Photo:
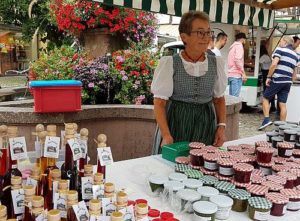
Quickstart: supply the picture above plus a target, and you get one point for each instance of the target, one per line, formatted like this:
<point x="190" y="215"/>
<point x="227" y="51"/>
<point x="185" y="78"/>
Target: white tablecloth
<point x="132" y="176"/>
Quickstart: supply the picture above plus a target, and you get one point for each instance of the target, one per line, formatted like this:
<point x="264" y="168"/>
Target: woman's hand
<point x="219" y="137"/>
<point x="268" y="82"/>
<point x="167" y="140"/>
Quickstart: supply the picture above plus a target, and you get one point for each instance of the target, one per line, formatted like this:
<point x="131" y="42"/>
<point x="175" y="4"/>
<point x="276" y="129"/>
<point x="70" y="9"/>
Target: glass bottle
<point x="53" y="215"/>
<point x="82" y="161"/>
<point x="88" y="172"/>
<point x="72" y="199"/>
<point x="37" y="207"/>
<point x="101" y="141"/>
<point x="43" y="188"/>
<point x="38" y="129"/>
<point x="16" y="184"/>
<point x="36" y="173"/>
<point x="43" y="160"/>
<point x="3" y="156"/>
<point x="63" y="189"/>
<point x="3" y="212"/>
<point x="29" y="192"/>
<point x="95" y="208"/>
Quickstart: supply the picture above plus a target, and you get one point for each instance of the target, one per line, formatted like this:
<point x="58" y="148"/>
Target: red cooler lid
<point x="166" y="215"/>
<point x="154" y="213"/>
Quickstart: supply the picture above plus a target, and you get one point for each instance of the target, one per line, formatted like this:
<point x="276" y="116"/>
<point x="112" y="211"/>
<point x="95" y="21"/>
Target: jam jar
<point x="204" y="210"/>
<point x="224" y="187"/>
<point x="242" y="172"/>
<point x="196" y="157"/>
<point x="264" y="154"/>
<point x="240" y="199"/>
<point x="210" y="161"/>
<point x="271" y="134"/>
<point x="276" y="179"/>
<point x="296" y="153"/>
<point x="273" y="187"/>
<point x="289" y="135"/>
<point x="262" y="144"/>
<point x="290" y="179"/>
<point x="279" y="203"/>
<point x="196" y="145"/>
<point x="296" y="172"/>
<point x="259" y="208"/>
<point x="294" y="199"/>
<point x="257" y="190"/>
<point x="266" y="168"/>
<point x="276" y="140"/>
<point x="277" y="124"/>
<point x="226" y="167"/>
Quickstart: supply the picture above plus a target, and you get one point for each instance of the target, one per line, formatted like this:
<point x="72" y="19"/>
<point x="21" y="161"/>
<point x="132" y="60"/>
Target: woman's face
<point x="200" y="36"/>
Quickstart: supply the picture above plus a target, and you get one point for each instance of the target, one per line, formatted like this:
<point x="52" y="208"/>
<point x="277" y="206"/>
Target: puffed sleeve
<point x="162" y="83"/>
<point x="221" y="80"/>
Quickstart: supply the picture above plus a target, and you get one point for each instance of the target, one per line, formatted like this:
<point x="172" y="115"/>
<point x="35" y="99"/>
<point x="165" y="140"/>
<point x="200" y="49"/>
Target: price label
<point x="84" y="148"/>
<point x="18" y="150"/>
<point x="51" y="148"/>
<point x="18" y="198"/>
<point x="108" y="206"/>
<point x="105" y="156"/>
<point x="87" y="188"/>
<point x="128" y="213"/>
<point x="31" y="182"/>
<point x="98" y="192"/>
<point x="81" y="211"/>
<point x="75" y="147"/>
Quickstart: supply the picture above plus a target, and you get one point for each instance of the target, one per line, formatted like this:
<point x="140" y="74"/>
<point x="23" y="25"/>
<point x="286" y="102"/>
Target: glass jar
<point x="271" y="134"/>
<point x="276" y="140"/>
<point x="273" y="187"/>
<point x="277" y="124"/>
<point x="289" y="135"/>
<point x="296" y="172"/>
<point x="290" y="179"/>
<point x="264" y="154"/>
<point x="204" y="210"/>
<point x="285" y="149"/>
<point x="294" y="199"/>
<point x="187" y="197"/>
<point x="279" y="203"/>
<point x="206" y="192"/>
<point x="196" y="156"/>
<point x="224" y="204"/>
<point x="177" y="177"/>
<point x="266" y="168"/>
<point x="210" y="161"/>
<point x="240" y="199"/>
<point x="242" y="172"/>
<point x="226" y="167"/>
<point x="157" y="183"/>
<point x="259" y="208"/>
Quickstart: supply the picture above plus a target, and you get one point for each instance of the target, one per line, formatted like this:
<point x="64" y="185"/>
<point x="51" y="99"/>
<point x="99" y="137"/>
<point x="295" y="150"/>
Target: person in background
<point x="236" y="73"/>
<point x="220" y="43"/>
<point x="189" y="87"/>
<point x="281" y="74"/>
<point x="296" y="42"/>
<point x="265" y="61"/>
<point x="211" y="46"/>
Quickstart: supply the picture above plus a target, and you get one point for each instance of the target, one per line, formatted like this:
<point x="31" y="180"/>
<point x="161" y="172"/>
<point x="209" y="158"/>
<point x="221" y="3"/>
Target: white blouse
<point x="162" y="84"/>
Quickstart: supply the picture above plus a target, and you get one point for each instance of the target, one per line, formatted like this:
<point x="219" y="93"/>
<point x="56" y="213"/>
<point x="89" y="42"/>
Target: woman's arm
<point x="220" y="108"/>
<point x="161" y="119"/>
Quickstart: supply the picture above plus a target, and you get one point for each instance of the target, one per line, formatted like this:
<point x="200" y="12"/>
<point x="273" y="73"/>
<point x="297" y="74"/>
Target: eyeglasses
<point x="203" y="34"/>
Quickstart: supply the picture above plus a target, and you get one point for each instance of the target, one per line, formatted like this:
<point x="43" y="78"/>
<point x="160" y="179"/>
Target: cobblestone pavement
<point x="251" y="119"/>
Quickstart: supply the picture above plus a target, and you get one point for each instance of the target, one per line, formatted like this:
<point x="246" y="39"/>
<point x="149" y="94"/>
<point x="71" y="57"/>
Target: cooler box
<point x="56" y="95"/>
<point x="171" y="151"/>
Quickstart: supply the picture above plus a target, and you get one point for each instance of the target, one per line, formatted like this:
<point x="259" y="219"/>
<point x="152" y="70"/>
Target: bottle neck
<point x="69" y="160"/>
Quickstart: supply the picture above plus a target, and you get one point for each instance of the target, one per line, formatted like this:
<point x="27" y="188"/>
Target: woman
<point x="189" y="88"/>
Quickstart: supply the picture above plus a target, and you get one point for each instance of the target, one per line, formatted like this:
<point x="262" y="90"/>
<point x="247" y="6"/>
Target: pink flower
<point x="91" y="85"/>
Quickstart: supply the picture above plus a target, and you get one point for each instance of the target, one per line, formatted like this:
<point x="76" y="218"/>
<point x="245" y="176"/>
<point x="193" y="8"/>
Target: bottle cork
<point x="3" y="211"/>
<point x="56" y="174"/>
<point x="109" y="187"/>
<point x="29" y="190"/>
<point x="63" y="185"/>
<point x="95" y="205"/>
<point x="88" y="168"/>
<point x="84" y="133"/>
<point x="142" y="208"/>
<point x="16" y="180"/>
<point x="101" y="140"/>
<point x="122" y="198"/>
<point x="42" y="136"/>
<point x="69" y="126"/>
<point x="39" y="128"/>
<point x="117" y="216"/>
<point x="37" y="201"/>
<point x="53" y="215"/>
<point x="75" y="127"/>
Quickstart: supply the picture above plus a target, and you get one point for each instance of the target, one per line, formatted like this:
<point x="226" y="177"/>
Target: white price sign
<point x="105" y="156"/>
<point x="18" y="149"/>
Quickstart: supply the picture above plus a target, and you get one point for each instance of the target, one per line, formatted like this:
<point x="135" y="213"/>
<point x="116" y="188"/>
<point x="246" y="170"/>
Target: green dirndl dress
<point x="190" y="111"/>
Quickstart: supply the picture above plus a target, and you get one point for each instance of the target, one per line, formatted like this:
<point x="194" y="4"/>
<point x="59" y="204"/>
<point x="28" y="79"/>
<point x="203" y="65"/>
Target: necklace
<point x="193" y="60"/>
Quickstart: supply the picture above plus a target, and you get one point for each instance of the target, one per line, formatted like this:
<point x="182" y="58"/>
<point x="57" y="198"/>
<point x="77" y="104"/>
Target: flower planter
<point x="56" y="96"/>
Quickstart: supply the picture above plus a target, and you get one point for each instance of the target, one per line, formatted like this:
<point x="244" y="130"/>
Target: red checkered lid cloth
<point x="234" y="148"/>
<point x="265" y="150"/>
<point x="257" y="189"/>
<point x="262" y="144"/>
<point x="272" y="185"/>
<point x="277" y="179"/>
<point x="277" y="198"/>
<point x="258" y="172"/>
<point x="280" y="168"/>
<point x="210" y="157"/>
<point x="226" y="162"/>
<point x="291" y="193"/>
<point x="182" y="160"/>
<point x="287" y="175"/>
<point x="243" y="167"/>
<point x="256" y="179"/>
<point x="196" y="145"/>
<point x="197" y="152"/>
<point x="246" y="146"/>
<point x="285" y="145"/>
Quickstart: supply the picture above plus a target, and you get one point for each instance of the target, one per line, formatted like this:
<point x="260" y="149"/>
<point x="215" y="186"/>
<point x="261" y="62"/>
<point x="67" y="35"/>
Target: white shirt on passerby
<point x="216" y="51"/>
<point x="265" y="62"/>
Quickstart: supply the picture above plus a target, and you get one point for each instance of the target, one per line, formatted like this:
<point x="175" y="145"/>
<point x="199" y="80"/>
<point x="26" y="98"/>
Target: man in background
<point x="220" y="43"/>
<point x="236" y="73"/>
<point x="211" y="45"/>
<point x="296" y="42"/>
<point x="281" y="74"/>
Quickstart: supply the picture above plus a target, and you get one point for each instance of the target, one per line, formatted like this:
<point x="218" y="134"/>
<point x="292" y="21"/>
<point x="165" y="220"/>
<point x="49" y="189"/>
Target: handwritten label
<point x="128" y="213"/>
<point x="87" y="188"/>
<point x="31" y="182"/>
<point x="51" y="148"/>
<point x="18" y="148"/>
<point x="18" y="197"/>
<point x="84" y="148"/>
<point x="75" y="147"/>
<point x="108" y="206"/>
<point x="60" y="203"/>
<point x="105" y="156"/>
<point x="98" y="192"/>
<point x="261" y="215"/>
<point x="81" y="211"/>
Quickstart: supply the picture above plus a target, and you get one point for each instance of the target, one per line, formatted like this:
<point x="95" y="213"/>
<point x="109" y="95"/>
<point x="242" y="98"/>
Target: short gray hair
<point x="288" y="39"/>
<point x="187" y="19"/>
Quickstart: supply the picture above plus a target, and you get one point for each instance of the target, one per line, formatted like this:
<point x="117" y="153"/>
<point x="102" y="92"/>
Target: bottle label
<point x="100" y="218"/>
<point x="226" y="171"/>
<point x="37" y="147"/>
<point x="98" y="192"/>
<point x="288" y="153"/>
<point x="293" y="205"/>
<point x="223" y="213"/>
<point x="128" y="213"/>
<point x="210" y="166"/>
<point x="31" y="182"/>
<point x="54" y="188"/>
<point x="60" y="203"/>
<point x="87" y="188"/>
<point x="18" y="201"/>
<point x="108" y="206"/>
<point x="81" y="211"/>
<point x="105" y="156"/>
<point x="84" y="148"/>
<point x="75" y="147"/>
<point x="51" y="148"/>
<point x="262" y="216"/>
<point x="18" y="150"/>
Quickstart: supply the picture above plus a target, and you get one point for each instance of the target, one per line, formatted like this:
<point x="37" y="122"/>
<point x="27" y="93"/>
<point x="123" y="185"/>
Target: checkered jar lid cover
<point x="259" y="203"/>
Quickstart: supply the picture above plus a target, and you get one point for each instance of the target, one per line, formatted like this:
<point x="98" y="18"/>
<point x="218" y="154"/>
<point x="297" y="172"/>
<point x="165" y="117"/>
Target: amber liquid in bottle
<point x="71" y="214"/>
<point x="69" y="169"/>
<point x="49" y="197"/>
<point x="43" y="189"/>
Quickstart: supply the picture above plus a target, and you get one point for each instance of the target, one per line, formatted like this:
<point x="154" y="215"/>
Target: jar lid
<point x="177" y="177"/>
<point x="265" y="150"/>
<point x="225" y="162"/>
<point x="188" y="195"/>
<point x="88" y="168"/>
<point x="174" y="185"/>
<point x="257" y="172"/>
<point x="29" y="190"/>
<point x="246" y="146"/>
<point x="241" y="185"/>
<point x="243" y="167"/>
<point x="192" y="183"/>
<point x="246" y="159"/>
<point x="266" y="165"/>
<point x="276" y="179"/>
<point x="182" y="167"/>
<point x="262" y="144"/>
<point x="158" y="179"/>
<point x="256" y="179"/>
<point x="37" y="201"/>
<point x="292" y="165"/>
<point x="223" y="154"/>
<point x="277" y="139"/>
<point x="280" y="168"/>
<point x="109" y="187"/>
<point x="3" y="211"/>
<point x="56" y="173"/>
<point x="272" y="185"/>
<point x="285" y="145"/>
<point x="224" y="186"/>
<point x="166" y="215"/>
<point x="210" y="149"/>
<point x="16" y="180"/>
<point x="290" y="132"/>
<point x="197" y="152"/>
<point x="137" y="201"/>
<point x="72" y="195"/>
<point x="208" y="180"/>
<point x="291" y="193"/>
<point x="277" y="198"/>
<point x="248" y="151"/>
<point x="259" y="203"/>
<point x="279" y="160"/>
<point x="296" y="172"/>
<point x="205" y="207"/>
<point x="239" y="194"/>
<point x="287" y="175"/>
<point x="95" y="204"/>
<point x="182" y="160"/>
<point x="142" y="208"/>
<point x="296" y="160"/>
<point x="284" y="127"/>
<point x="271" y="133"/>
<point x="63" y="184"/>
<point x="221" y="200"/>
<point x="98" y="177"/>
<point x="296" y="152"/>
<point x="53" y="215"/>
<point x="153" y="213"/>
<point x="195" y="174"/>
<point x="196" y="145"/>
<point x="234" y="148"/>
<point x="116" y="216"/>
<point x="278" y="123"/>
<point x="257" y="189"/>
<point x="210" y="156"/>
<point x="207" y="191"/>
<point x="236" y="155"/>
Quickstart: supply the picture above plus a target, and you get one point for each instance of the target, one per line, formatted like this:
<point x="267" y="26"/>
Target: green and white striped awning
<point x="220" y="11"/>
